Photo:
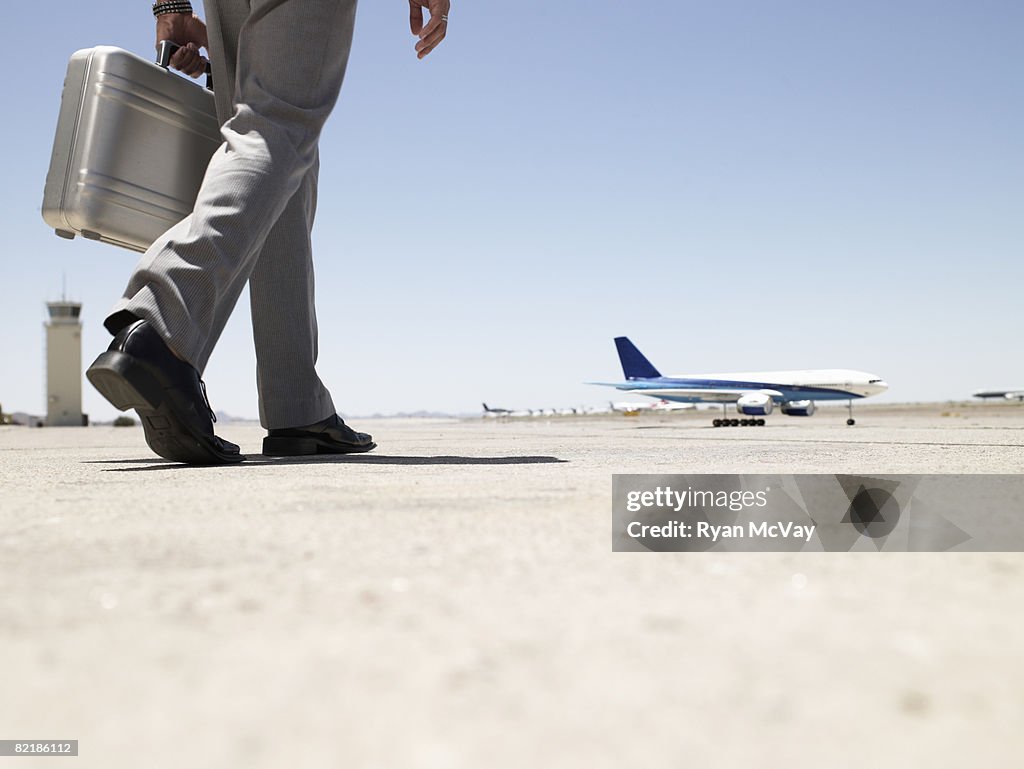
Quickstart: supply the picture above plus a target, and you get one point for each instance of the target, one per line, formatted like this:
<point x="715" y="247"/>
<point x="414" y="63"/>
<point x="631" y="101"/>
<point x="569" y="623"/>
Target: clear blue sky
<point x="741" y="185"/>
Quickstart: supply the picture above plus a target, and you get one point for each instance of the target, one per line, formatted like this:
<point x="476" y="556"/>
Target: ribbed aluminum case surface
<point x="132" y="144"/>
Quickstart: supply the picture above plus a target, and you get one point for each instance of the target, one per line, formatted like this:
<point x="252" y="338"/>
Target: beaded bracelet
<point x="172" y="6"/>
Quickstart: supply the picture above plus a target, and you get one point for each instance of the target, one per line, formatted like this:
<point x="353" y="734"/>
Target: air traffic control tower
<point x="64" y="365"/>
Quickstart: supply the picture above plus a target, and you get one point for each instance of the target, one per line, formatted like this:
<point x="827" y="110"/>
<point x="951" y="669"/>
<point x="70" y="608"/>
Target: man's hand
<point x="189" y="32"/>
<point x="433" y="33"/>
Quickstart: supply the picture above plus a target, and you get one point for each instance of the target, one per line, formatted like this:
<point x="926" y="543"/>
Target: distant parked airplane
<point x="634" y="408"/>
<point x="629" y="409"/>
<point x="754" y="393"/>
<point x="496" y="412"/>
<point x="1010" y="395"/>
<point x="664" y="405"/>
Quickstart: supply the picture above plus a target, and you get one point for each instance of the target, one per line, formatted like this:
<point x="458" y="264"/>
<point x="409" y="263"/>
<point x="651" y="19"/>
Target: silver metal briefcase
<point x="132" y="145"/>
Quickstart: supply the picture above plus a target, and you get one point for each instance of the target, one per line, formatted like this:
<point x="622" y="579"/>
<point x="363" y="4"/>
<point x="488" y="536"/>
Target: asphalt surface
<point x="451" y="600"/>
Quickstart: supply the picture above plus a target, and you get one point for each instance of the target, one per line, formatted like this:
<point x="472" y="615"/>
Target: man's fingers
<point x="183" y="61"/>
<point x="429" y="42"/>
<point x="181" y="58"/>
<point x="184" y="54"/>
<point x="415" y="17"/>
<point x="187" y="59"/>
<point x="436" y="28"/>
<point x="433" y="25"/>
<point x="425" y="51"/>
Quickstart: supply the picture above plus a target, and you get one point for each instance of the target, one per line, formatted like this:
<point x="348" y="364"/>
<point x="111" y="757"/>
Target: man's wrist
<point x="161" y="8"/>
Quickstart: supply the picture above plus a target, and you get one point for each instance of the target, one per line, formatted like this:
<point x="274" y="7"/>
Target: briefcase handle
<point x="166" y="49"/>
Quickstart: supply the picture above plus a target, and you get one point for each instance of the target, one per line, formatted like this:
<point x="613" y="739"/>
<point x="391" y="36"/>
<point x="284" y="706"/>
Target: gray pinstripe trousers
<point x="278" y="66"/>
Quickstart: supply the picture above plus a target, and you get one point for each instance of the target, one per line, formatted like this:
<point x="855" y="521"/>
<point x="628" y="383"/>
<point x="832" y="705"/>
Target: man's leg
<point x="295" y="407"/>
<point x="291" y="57"/>
<point x="281" y="295"/>
<point x="281" y="283"/>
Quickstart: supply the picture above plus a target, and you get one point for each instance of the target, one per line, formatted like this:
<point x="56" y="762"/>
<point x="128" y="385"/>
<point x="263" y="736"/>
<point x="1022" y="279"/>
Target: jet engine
<point x="798" y="408"/>
<point x="755" y="404"/>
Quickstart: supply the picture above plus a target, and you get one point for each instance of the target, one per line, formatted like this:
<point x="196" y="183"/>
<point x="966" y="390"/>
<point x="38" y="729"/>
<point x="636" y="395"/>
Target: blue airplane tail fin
<point x="634" y="364"/>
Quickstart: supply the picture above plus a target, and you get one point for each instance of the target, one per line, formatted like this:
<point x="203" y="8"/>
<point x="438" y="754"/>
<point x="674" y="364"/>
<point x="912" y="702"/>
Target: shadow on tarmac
<point x="257" y="460"/>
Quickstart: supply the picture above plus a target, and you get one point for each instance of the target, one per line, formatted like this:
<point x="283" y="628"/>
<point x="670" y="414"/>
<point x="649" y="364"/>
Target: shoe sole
<point x="303" y="447"/>
<point x="126" y="383"/>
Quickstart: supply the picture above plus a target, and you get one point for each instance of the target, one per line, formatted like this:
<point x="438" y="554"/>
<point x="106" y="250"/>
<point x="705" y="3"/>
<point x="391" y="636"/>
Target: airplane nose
<point x="881" y="385"/>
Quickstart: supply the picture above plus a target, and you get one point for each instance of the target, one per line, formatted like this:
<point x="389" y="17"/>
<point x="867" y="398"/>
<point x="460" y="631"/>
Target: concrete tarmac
<point x="451" y="600"/>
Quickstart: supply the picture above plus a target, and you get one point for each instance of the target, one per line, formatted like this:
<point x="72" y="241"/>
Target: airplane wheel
<point x="851" y="422"/>
<point x="744" y="422"/>
<point x="716" y="422"/>
<point x="760" y="423"/>
<point x="734" y="422"/>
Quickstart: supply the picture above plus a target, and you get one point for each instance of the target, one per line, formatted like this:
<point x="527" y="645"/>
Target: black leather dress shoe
<point x="138" y="371"/>
<point x="331" y="436"/>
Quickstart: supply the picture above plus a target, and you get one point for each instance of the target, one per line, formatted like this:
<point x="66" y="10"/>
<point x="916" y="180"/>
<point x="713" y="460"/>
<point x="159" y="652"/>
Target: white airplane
<point x="634" y="408"/>
<point x="1010" y="395"/>
<point x="630" y="408"/>
<point x="664" y="405"/>
<point x="755" y="393"/>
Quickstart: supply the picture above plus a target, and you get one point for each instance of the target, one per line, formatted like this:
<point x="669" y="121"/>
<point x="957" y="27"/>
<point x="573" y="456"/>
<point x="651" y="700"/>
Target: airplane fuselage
<point x="806" y="384"/>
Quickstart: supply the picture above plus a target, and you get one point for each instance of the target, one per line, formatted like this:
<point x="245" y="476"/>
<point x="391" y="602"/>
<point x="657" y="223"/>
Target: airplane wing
<point x="705" y="395"/>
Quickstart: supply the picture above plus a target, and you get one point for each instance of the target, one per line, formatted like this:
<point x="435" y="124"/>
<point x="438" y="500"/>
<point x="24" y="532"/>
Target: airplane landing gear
<point x="850" y="421"/>
<point x="727" y="422"/>
<point x="723" y="422"/>
<point x="737" y="423"/>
